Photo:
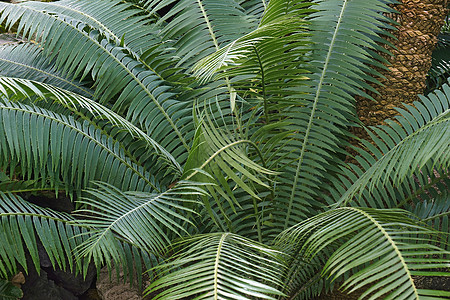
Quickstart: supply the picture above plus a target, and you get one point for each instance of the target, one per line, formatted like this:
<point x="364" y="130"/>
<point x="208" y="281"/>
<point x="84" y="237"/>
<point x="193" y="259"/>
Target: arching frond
<point x="313" y="100"/>
<point x="21" y="88"/>
<point x="326" y="99"/>
<point x="81" y="50"/>
<point x="22" y="223"/>
<point x="262" y="67"/>
<point x="60" y="234"/>
<point x="393" y="252"/>
<point x="252" y="146"/>
<point x="219" y="158"/>
<point x="256" y="51"/>
<point x="146" y="220"/>
<point x="124" y="23"/>
<point x="203" y="26"/>
<point x="420" y="135"/>
<point x="28" y="62"/>
<point x="48" y="145"/>
<point x="221" y="266"/>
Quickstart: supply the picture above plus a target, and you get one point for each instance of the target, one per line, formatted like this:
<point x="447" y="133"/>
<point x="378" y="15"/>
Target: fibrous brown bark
<point x="419" y="24"/>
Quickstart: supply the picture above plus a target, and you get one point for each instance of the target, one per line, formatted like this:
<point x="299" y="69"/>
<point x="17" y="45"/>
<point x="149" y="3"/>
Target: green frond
<point x="303" y="281"/>
<point x="222" y="147"/>
<point x="220" y="266"/>
<point x="23" y="186"/>
<point x="254" y="7"/>
<point x="79" y="152"/>
<point x="20" y="89"/>
<point x="276" y="10"/>
<point x="324" y="102"/>
<point x="8" y="291"/>
<point x="440" y="64"/>
<point x="81" y="50"/>
<point x="420" y="135"/>
<point x="28" y="62"/>
<point x="99" y="100"/>
<point x="312" y="101"/>
<point x="203" y="26"/>
<point x="259" y="51"/>
<point x="436" y="214"/>
<point x="392" y="255"/>
<point x="148" y="221"/>
<point x="61" y="235"/>
<point x="22" y="223"/>
<point x="262" y="66"/>
<point x="234" y="166"/>
<point x="124" y="23"/>
<point x="423" y="185"/>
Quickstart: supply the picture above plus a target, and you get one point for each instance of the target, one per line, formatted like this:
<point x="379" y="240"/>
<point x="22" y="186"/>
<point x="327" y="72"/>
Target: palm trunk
<point x="419" y="24"/>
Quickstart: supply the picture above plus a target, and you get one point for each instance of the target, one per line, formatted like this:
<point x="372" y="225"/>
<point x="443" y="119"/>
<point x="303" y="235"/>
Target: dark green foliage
<point x="9" y="291"/>
<point x="440" y="68"/>
<point x="208" y="145"/>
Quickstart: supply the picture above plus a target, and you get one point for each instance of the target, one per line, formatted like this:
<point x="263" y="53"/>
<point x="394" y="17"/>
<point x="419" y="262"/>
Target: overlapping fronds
<point x="8" y="291"/>
<point x="419" y="136"/>
<point x="312" y="99"/>
<point x="21" y="186"/>
<point x="124" y="23"/>
<point x="61" y="236"/>
<point x="221" y="266"/>
<point x="262" y="65"/>
<point x="28" y="62"/>
<point x="221" y="148"/>
<point x="440" y="64"/>
<point x="435" y="212"/>
<point x="303" y="280"/>
<point x="60" y="149"/>
<point x="114" y="214"/>
<point x="396" y="248"/>
<point x="203" y="26"/>
<point x="20" y="89"/>
<point x="324" y="102"/>
<point x="258" y="53"/>
<point x="22" y="223"/>
<point x="254" y="7"/>
<point x="100" y="97"/>
<point x="81" y="50"/>
<point x="219" y="157"/>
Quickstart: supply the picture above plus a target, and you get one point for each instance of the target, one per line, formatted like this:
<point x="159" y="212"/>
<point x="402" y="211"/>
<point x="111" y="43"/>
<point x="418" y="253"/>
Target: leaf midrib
<point x="104" y="28"/>
<point x="392" y="243"/>
<point x="152" y="97"/>
<point x="110" y="226"/>
<point x="348" y="196"/>
<point x="216" y="265"/>
<point x="46" y="73"/>
<point x="87" y="136"/>
<point x="311" y="118"/>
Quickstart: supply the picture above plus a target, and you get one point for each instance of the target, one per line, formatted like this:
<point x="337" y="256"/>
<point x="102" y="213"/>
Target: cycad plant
<point x="440" y="67"/>
<point x="207" y="145"/>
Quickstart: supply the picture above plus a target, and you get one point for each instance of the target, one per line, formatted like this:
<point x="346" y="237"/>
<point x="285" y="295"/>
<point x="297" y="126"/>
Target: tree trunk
<point x="420" y="22"/>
